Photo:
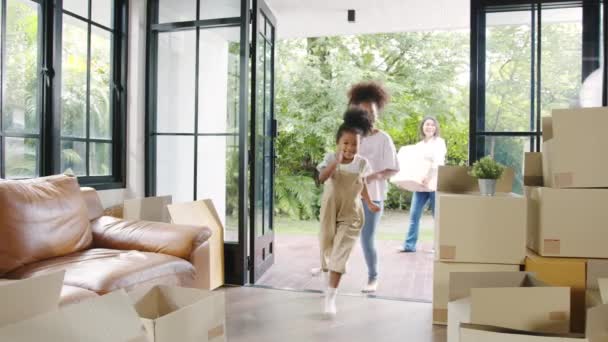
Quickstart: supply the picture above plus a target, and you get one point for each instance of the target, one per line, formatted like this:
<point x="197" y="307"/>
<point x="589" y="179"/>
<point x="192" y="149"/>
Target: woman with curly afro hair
<point x="378" y="148"/>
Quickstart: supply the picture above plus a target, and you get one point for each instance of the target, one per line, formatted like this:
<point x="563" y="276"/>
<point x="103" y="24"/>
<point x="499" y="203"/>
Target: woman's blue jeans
<point x="368" y="241"/>
<point x="419" y="200"/>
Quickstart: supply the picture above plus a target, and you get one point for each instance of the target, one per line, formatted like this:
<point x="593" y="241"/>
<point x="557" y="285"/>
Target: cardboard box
<point x="456" y="179"/>
<point x="568" y="222"/>
<point x="478" y="229"/>
<point x="181" y="314"/>
<point x="102" y="319"/>
<point x="571" y="139"/>
<point x="27" y="298"/>
<point x="596" y="331"/>
<point x="596" y="269"/>
<point x="513" y="300"/>
<point x="203" y="213"/>
<point x="441" y="283"/>
<point x="571" y="273"/>
<point x="485" y="333"/>
<point x="533" y="169"/>
<point x="149" y="209"/>
<point x="410" y="178"/>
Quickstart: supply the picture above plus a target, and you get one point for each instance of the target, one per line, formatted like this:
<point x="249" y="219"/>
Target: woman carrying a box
<point x="433" y="149"/>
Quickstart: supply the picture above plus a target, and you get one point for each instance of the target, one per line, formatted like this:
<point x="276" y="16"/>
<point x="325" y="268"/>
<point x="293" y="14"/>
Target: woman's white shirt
<point x="433" y="150"/>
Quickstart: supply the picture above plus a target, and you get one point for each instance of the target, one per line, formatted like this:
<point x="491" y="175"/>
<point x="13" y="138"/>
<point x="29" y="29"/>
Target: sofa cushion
<point x="41" y="218"/>
<point x="106" y="270"/>
<point x="73" y="295"/>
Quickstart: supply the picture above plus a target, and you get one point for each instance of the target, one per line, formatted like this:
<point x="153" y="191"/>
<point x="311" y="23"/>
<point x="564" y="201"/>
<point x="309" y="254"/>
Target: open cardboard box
<point x="181" y="314"/>
<point x="149" y="209"/>
<point x="596" y="331"/>
<point x="581" y="275"/>
<point x="598" y="296"/>
<point x="441" y="283"/>
<point x="475" y="228"/>
<point x="203" y="213"/>
<point x="29" y="313"/>
<point x="514" y="300"/>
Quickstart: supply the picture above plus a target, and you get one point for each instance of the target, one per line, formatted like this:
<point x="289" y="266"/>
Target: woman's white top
<point x="380" y="152"/>
<point x="433" y="150"/>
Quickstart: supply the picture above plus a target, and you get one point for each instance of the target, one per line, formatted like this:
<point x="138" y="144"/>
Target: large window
<point x="63" y="75"/>
<point x="528" y="59"/>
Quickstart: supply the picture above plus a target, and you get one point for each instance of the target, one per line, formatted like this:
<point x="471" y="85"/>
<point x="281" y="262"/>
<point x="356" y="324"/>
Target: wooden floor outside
<point x="402" y="275"/>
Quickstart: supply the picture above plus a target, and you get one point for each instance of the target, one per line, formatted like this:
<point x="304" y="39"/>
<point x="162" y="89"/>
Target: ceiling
<point x="314" y="18"/>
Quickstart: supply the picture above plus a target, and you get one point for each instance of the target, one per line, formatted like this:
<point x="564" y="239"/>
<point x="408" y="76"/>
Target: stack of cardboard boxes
<point x="562" y="219"/>
<point x="474" y="233"/>
<point x="567" y="192"/>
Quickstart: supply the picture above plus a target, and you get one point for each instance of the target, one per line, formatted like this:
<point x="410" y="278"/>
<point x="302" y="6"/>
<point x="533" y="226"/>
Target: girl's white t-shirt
<point x="380" y="151"/>
<point x="358" y="165"/>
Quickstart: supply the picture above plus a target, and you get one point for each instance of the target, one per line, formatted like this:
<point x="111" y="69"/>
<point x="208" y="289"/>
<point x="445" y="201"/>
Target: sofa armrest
<point x="171" y="239"/>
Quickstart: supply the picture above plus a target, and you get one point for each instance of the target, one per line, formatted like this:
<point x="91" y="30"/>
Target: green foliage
<point x="423" y="72"/>
<point x="486" y="168"/>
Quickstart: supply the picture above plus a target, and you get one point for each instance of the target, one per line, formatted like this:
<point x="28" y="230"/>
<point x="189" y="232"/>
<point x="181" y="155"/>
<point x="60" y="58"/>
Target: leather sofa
<point x="50" y="223"/>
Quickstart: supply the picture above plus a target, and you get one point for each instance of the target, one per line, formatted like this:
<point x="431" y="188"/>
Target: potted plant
<point x="487" y="171"/>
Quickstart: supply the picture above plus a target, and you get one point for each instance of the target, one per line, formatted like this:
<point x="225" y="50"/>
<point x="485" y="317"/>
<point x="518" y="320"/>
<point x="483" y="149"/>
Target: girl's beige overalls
<point x="341" y="218"/>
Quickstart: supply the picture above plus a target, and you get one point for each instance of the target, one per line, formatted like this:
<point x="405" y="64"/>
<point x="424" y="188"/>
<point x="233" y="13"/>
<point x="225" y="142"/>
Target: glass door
<point x="263" y="131"/>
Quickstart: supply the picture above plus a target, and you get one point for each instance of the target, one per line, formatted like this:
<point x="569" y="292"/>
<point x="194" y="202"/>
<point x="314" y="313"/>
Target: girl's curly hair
<point x="368" y="92"/>
<point x="358" y="118"/>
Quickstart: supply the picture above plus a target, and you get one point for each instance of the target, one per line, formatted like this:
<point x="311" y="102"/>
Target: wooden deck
<point x="401" y="275"/>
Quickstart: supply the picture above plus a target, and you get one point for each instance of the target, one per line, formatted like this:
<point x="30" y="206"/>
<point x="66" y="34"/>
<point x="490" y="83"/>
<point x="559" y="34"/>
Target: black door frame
<point x="261" y="247"/>
<point x="239" y="265"/>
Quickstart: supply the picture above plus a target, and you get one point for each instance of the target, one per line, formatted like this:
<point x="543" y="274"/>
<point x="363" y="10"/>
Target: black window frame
<point x="49" y="92"/>
<point x="589" y="62"/>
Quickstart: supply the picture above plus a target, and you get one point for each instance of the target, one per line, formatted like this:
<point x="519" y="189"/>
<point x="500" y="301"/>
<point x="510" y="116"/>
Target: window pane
<point x="561" y="64"/>
<point x="73" y="157"/>
<point x="213" y="9"/>
<point x="21" y="158"/>
<point x="219" y="80"/>
<point x="508" y="72"/>
<point x="220" y="182"/>
<point x="176" y="10"/>
<point x="101" y="71"/>
<point x="21" y="68"/>
<point x="176" y="80"/>
<point x="103" y="12"/>
<point x="74" y="82"/>
<point x="80" y="7"/>
<point x="510" y="152"/>
<point x="175" y="167"/>
<point x="100" y="159"/>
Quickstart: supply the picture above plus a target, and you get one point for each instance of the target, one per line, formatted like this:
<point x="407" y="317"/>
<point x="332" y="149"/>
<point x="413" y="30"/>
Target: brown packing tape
<point x="558" y="316"/>
<point x="447" y="252"/>
<point x="440" y="316"/>
<point x="552" y="246"/>
<point x="564" y="179"/>
<point x="215" y="332"/>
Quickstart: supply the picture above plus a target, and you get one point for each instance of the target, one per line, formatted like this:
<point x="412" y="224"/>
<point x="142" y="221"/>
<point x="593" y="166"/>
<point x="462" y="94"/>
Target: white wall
<point x="135" y="110"/>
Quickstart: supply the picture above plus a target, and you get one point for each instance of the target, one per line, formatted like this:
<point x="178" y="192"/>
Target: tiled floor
<point x="255" y="314"/>
<point x="402" y="275"/>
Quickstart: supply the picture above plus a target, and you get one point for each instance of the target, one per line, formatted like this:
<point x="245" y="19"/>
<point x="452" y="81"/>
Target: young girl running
<point x="343" y="174"/>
